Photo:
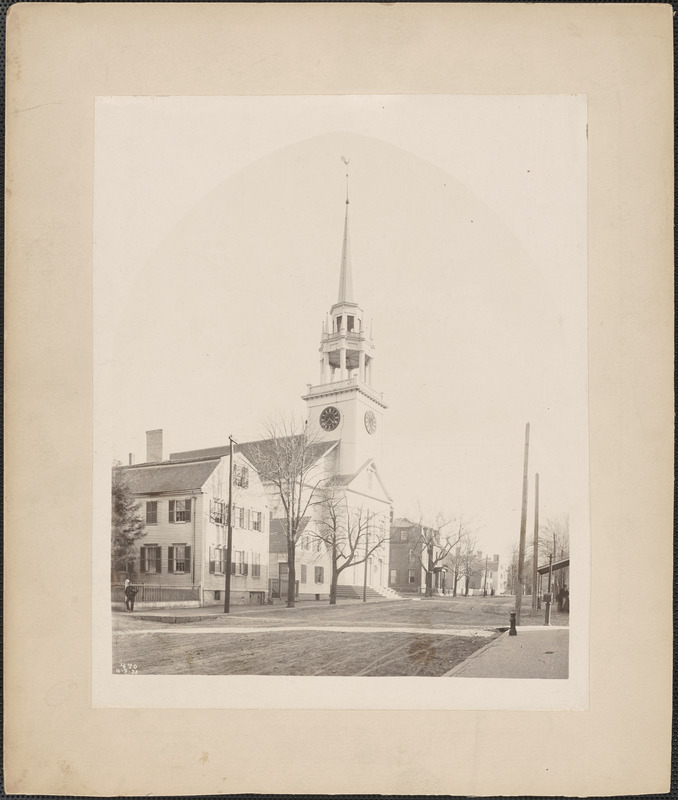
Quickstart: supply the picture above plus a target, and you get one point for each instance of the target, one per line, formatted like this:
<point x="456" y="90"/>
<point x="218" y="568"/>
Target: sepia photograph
<point x="341" y="385"/>
<point x="339" y="355"/>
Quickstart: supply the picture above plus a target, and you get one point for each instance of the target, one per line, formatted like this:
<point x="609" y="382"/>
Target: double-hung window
<point x="150" y="558"/>
<point x="256" y="565"/>
<point x="241" y="476"/>
<point x="179" y="558"/>
<point x="217" y="559"/>
<point x="239" y="564"/>
<point x="239" y="517"/>
<point x="180" y="510"/>
<point x="218" y="512"/>
<point x="319" y="574"/>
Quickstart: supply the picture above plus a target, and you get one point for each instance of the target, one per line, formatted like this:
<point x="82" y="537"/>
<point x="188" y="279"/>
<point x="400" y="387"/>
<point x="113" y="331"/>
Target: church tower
<point x="343" y="405"/>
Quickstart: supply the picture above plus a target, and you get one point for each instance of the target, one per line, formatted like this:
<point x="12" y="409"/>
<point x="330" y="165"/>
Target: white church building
<point x="344" y="415"/>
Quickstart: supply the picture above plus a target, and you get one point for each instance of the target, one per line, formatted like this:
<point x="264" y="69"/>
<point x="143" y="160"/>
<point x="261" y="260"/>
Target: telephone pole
<point x="229" y="542"/>
<point x="367" y="542"/>
<point x="535" y="549"/>
<point x="523" y="526"/>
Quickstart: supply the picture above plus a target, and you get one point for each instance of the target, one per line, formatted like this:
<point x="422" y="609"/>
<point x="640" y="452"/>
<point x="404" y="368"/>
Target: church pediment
<point x="366" y="481"/>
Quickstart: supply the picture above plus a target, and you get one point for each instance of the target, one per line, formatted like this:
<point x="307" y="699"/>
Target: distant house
<point x="182" y="557"/>
<point x="409" y="559"/>
<point x="490" y="575"/>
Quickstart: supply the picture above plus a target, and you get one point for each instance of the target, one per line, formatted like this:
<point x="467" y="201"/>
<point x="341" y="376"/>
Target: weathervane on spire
<point x="347" y="162"/>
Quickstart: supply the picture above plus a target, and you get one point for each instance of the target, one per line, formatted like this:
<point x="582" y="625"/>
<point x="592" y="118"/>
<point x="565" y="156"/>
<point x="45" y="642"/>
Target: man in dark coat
<point x="130" y="594"/>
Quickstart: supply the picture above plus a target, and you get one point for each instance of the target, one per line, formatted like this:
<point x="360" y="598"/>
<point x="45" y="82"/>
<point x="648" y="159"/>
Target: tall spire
<point x="345" y="277"/>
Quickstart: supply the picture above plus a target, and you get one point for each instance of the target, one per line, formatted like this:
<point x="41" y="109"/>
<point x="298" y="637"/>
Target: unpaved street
<point x="410" y="637"/>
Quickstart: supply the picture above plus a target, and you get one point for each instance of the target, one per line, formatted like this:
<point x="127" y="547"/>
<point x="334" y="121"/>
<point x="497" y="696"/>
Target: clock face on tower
<point x="329" y="418"/>
<point x="370" y="421"/>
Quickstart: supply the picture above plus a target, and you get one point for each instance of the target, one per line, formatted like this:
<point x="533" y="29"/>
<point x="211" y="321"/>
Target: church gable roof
<point x="357" y="482"/>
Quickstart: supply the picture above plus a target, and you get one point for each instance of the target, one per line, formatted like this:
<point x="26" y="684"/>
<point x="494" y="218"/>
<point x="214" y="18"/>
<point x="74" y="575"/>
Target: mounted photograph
<point x="341" y="402"/>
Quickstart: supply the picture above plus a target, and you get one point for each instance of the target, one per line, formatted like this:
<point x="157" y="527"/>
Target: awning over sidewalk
<point x="565" y="562"/>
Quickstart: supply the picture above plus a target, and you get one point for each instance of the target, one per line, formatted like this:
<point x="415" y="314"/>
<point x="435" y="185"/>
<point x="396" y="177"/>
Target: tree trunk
<point x="291" y="573"/>
<point x="429" y="572"/>
<point x="334" y="579"/>
<point x="466" y="590"/>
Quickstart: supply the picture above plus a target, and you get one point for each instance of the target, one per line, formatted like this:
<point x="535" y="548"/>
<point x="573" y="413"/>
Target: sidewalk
<point x="198" y="614"/>
<point x="536" y="652"/>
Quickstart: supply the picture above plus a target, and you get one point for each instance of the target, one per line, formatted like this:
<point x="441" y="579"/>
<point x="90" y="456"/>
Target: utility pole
<point x="547" y="613"/>
<point x="535" y="549"/>
<point x="367" y="541"/>
<point x="229" y="542"/>
<point x="523" y="526"/>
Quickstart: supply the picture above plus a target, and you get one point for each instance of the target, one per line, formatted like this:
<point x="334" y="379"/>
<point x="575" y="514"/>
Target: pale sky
<point x="217" y="241"/>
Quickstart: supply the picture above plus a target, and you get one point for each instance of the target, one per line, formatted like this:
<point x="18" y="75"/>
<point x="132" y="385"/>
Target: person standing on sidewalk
<point x="130" y="594"/>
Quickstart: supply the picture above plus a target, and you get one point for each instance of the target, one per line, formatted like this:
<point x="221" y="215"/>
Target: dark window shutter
<point x="232" y="567"/>
<point x="187" y="558"/>
<point x="170" y="559"/>
<point x="158" y="559"/>
<point x="187" y="505"/>
<point x="244" y="563"/>
<point x="142" y="559"/>
<point x="171" y="510"/>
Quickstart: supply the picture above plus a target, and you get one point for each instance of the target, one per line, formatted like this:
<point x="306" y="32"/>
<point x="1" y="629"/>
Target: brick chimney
<point x="154" y="445"/>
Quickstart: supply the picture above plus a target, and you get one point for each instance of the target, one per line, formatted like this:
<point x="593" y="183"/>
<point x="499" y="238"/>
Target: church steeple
<point x="343" y="405"/>
<point x="345" y="276"/>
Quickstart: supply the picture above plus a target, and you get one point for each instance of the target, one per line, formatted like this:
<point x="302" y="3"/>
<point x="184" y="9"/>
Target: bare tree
<point x="470" y="562"/>
<point x="434" y="547"/>
<point x="554" y="540"/>
<point x="454" y="562"/>
<point x="288" y="459"/>
<point x="512" y="570"/>
<point x="348" y="534"/>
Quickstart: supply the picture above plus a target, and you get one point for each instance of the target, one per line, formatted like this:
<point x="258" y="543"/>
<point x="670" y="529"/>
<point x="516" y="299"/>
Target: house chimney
<point x="154" y="445"/>
<point x="131" y="459"/>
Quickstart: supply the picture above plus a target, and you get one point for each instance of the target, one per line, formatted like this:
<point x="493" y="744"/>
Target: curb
<point x="474" y="656"/>
<point x="170" y="619"/>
